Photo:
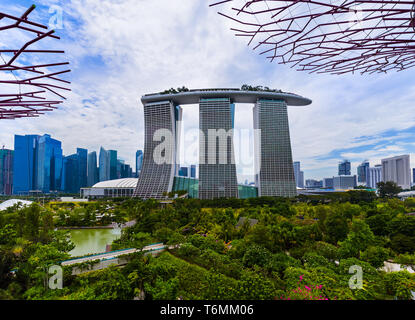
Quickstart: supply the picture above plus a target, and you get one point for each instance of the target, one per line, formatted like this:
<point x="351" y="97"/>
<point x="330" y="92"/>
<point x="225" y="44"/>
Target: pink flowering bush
<point x="304" y="292"/>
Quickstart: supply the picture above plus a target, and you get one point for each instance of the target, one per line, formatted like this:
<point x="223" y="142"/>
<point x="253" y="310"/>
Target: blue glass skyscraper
<point x="138" y="162"/>
<point x="92" y="169"/>
<point x="344" y="168"/>
<point x="71" y="177"/>
<point x="24" y="163"/>
<point x="74" y="175"/>
<point x="49" y="164"/>
<point x="113" y="164"/>
<point x="104" y="165"/>
<point x="362" y="172"/>
<point x="83" y="166"/>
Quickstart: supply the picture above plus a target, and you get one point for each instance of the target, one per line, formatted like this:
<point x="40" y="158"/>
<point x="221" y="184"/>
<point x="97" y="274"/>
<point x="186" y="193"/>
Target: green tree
<point x="256" y="255"/>
<point x="254" y="286"/>
<point x="375" y="255"/>
<point x="358" y="239"/>
<point x="163" y="290"/>
<point x="400" y="284"/>
<point x="336" y="227"/>
<point x="388" y="189"/>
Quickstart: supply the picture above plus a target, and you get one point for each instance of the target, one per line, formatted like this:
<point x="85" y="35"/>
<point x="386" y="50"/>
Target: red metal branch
<point x="337" y="36"/>
<point x="19" y="103"/>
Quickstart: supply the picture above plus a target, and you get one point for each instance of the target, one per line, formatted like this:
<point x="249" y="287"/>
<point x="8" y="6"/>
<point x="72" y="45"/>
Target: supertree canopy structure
<point x="26" y="81"/>
<point x="328" y="36"/>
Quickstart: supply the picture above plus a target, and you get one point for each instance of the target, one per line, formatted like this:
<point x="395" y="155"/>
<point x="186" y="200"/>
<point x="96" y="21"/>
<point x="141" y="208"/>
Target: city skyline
<point x="39" y="165"/>
<point x="354" y="170"/>
<point x="346" y="119"/>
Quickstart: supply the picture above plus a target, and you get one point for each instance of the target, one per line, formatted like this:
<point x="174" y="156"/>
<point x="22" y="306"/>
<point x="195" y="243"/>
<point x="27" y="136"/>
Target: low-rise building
<point x="344" y="182"/>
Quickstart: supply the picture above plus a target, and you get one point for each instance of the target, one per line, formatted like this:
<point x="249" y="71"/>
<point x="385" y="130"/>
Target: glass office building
<point x="104" y="165"/>
<point x="138" y="162"/>
<point x="113" y="164"/>
<point x="75" y="168"/>
<point x="49" y="164"/>
<point x="37" y="164"/>
<point x="71" y="178"/>
<point x="24" y="163"/>
<point x="6" y="172"/>
<point x="298" y="174"/>
<point x="362" y="173"/>
<point x="344" y="168"/>
<point x="83" y="166"/>
<point x="92" y="169"/>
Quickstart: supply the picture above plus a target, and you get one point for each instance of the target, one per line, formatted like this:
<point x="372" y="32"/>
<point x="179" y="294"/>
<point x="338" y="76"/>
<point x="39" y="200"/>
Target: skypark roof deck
<point x="236" y="96"/>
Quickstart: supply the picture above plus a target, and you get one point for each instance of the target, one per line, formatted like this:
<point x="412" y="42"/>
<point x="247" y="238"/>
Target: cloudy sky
<point x="122" y="49"/>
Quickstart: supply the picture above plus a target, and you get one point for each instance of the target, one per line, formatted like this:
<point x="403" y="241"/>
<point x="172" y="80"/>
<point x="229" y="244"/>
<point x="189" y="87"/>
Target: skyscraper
<point x="123" y="170"/>
<point x="217" y="170"/>
<point x="397" y="169"/>
<point x="71" y="173"/>
<point x="160" y="117"/>
<point x="113" y="164"/>
<point x="362" y="172"/>
<point x="301" y="184"/>
<point x="49" y="164"/>
<point x="92" y="169"/>
<point x="138" y="162"/>
<point x="74" y="176"/>
<point x="83" y="166"/>
<point x="273" y="163"/>
<point x="104" y="165"/>
<point x="25" y="163"/>
<point x="344" y="168"/>
<point x="6" y="172"/>
<point x="298" y="174"/>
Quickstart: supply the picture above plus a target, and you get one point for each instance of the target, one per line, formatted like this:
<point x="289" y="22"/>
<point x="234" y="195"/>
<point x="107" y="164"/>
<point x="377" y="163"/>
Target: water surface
<point x="90" y="241"/>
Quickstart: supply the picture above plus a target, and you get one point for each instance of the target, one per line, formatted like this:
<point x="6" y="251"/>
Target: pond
<point x="90" y="241"/>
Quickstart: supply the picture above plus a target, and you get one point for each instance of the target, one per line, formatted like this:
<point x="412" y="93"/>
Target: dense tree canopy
<point x="300" y="248"/>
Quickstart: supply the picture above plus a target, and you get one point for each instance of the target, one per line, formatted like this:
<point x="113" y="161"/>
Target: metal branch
<point x="337" y="36"/>
<point x="20" y="104"/>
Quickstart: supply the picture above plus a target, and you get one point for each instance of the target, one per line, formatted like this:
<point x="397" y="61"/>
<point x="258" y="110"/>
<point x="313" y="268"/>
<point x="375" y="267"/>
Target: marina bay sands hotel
<point x="217" y="170"/>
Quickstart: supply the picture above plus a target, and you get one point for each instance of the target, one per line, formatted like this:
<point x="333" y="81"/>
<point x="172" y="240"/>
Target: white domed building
<point x="111" y="189"/>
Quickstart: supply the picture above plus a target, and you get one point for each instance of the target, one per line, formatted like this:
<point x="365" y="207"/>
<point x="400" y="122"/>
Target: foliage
<point x="388" y="189"/>
<point x="400" y="284"/>
<point x="358" y="239"/>
<point x="316" y="237"/>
